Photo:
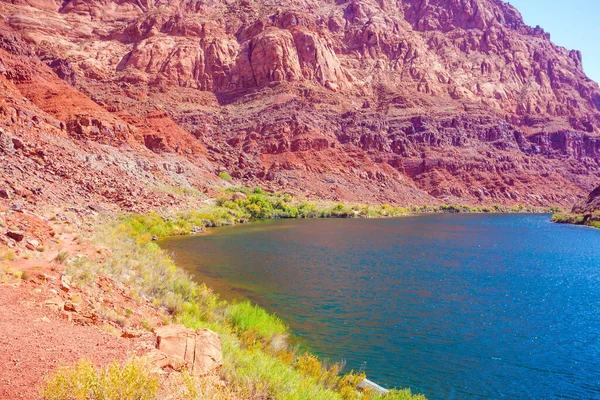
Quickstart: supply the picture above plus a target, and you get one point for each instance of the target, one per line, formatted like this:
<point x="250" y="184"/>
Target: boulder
<point x="239" y="196"/>
<point x="200" y="350"/>
<point x="4" y="194"/>
<point x="65" y="283"/>
<point x="73" y="307"/>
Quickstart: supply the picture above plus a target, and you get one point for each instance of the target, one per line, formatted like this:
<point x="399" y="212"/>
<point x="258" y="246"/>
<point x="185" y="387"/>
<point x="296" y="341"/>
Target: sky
<point x="574" y="24"/>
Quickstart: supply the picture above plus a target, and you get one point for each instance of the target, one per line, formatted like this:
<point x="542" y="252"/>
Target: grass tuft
<point x="253" y="321"/>
<point x="225" y="176"/>
<point x="61" y="257"/>
<point x="132" y="380"/>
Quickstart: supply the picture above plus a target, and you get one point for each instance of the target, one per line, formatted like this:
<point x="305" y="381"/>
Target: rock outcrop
<point x="591" y="203"/>
<point x="199" y="351"/>
<point x="413" y="101"/>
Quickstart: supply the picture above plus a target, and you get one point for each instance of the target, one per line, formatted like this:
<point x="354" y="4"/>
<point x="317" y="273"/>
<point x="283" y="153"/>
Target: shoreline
<point x="120" y="247"/>
<point x="194" y="305"/>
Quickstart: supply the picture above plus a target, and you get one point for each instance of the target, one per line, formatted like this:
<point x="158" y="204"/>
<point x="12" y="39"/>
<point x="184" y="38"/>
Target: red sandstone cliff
<point x="408" y="101"/>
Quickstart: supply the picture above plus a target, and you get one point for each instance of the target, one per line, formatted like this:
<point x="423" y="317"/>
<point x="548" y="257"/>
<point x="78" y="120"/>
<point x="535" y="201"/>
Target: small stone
<point x="65" y="283"/>
<point x="130" y="334"/>
<point x="49" y="277"/>
<point x="4" y="194"/>
<point x="55" y="304"/>
<point x="66" y="316"/>
<point x="74" y="307"/>
<point x="15" y="235"/>
<point x="17" y="143"/>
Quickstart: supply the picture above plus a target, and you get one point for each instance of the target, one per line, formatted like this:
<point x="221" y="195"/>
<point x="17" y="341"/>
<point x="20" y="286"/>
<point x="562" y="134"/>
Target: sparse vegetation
<point x="8" y="255"/>
<point x="11" y="275"/>
<point x="132" y="380"/>
<point x="225" y="176"/>
<point x="61" y="257"/>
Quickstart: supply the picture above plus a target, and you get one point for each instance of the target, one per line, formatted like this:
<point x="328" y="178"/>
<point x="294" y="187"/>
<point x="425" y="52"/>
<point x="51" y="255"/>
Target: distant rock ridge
<point x="408" y="101"/>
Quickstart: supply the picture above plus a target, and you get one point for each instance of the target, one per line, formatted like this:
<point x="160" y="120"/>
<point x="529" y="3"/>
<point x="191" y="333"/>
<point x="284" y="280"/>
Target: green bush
<point x="225" y="176"/>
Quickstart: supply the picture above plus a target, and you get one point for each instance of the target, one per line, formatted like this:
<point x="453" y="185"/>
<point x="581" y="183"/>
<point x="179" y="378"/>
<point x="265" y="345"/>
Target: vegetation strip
<point x="239" y="205"/>
<point x="590" y="219"/>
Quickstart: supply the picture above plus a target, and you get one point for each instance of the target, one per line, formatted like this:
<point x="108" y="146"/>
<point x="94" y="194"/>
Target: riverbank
<point x="591" y="219"/>
<point x="258" y="359"/>
<point x="90" y="247"/>
<point x="241" y="205"/>
<point x="123" y="284"/>
<point x="585" y="213"/>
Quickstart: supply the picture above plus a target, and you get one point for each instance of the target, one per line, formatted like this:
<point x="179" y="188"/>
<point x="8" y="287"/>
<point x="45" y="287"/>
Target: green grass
<point x="225" y="176"/>
<point x="247" y="318"/>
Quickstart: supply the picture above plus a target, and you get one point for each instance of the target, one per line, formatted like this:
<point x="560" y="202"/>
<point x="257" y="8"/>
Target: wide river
<point x="452" y="306"/>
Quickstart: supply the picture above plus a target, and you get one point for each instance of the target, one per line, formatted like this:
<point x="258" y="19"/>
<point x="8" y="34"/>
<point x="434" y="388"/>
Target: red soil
<point x="34" y="340"/>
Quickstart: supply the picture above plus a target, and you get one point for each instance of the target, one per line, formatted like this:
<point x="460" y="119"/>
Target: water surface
<point x="453" y="306"/>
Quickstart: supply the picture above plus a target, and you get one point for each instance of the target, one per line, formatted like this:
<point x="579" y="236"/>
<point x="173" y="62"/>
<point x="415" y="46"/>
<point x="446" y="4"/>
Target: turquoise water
<point x="453" y="306"/>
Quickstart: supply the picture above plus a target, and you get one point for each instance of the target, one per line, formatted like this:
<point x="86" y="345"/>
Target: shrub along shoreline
<point x="590" y="219"/>
<point x="241" y="205"/>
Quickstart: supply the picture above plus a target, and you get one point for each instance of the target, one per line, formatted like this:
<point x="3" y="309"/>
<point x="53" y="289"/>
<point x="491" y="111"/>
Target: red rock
<point x="15" y="235"/>
<point x="65" y="283"/>
<point x="413" y="102"/>
<point x="590" y="205"/>
<point x="17" y="143"/>
<point x="72" y="307"/>
<point x="201" y="349"/>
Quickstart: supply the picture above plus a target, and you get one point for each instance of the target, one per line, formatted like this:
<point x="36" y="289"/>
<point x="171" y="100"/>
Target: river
<point x="453" y="306"/>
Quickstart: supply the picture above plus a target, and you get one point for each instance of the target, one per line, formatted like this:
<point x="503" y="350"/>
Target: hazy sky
<point x="574" y="24"/>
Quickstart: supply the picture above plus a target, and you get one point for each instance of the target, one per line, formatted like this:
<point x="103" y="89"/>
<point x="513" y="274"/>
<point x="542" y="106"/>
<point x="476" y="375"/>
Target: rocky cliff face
<point x="407" y="101"/>
<point x="590" y="205"/>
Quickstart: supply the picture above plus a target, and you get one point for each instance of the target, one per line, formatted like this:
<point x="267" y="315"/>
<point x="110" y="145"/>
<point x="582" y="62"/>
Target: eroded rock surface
<point x="409" y="101"/>
<point x="199" y="350"/>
